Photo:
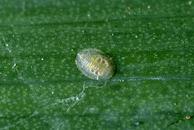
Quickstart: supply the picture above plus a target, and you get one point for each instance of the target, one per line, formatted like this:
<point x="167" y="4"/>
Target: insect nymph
<point x="94" y="64"/>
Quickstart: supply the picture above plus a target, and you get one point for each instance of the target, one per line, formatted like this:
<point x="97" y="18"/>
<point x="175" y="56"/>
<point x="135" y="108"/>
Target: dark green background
<point x="151" y="41"/>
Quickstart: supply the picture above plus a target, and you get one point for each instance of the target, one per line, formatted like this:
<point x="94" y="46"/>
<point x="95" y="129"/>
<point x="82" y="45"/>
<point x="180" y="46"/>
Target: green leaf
<point x="150" y="41"/>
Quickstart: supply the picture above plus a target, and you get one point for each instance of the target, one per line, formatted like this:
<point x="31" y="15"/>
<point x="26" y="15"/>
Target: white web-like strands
<point x="73" y="100"/>
<point x="67" y="103"/>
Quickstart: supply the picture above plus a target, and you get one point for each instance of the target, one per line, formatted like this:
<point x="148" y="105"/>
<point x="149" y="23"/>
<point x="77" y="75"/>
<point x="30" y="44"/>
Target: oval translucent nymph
<point x="94" y="64"/>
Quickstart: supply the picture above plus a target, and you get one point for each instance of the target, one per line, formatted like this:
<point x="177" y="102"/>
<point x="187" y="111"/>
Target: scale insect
<point x="94" y="64"/>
